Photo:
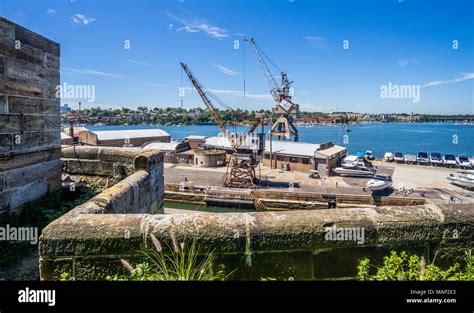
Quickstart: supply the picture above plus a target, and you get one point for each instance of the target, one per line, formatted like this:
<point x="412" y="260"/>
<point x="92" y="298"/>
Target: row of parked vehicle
<point x="434" y="158"/>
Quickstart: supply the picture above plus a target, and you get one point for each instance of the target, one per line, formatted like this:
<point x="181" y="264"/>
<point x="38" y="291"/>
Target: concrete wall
<point x="284" y="245"/>
<point x="29" y="115"/>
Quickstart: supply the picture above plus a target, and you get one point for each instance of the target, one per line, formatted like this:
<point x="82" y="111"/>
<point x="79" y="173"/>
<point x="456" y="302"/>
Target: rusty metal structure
<point x="243" y="161"/>
<point x="285" y="110"/>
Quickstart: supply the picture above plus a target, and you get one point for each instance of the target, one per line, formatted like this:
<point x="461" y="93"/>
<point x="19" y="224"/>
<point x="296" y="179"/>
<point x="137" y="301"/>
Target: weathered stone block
<point x="27" y="159"/>
<point x="36" y="140"/>
<point x="5" y="143"/>
<point x="52" y="269"/>
<point x="26" y="70"/>
<point x="35" y="40"/>
<point x="21" y="87"/>
<point x="32" y="106"/>
<point x="25" y="175"/>
<point x="90" y="234"/>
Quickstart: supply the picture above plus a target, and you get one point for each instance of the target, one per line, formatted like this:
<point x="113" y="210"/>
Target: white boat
<point x="466" y="181"/>
<point x="423" y="158"/>
<point x="369" y="155"/>
<point x="388" y="157"/>
<point x="410" y="158"/>
<point x="463" y="161"/>
<point x="436" y="158"/>
<point x="398" y="157"/>
<point x="357" y="171"/>
<point x="449" y="160"/>
<point x="379" y="182"/>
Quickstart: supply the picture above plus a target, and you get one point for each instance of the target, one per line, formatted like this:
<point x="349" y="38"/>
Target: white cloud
<point x="93" y="72"/>
<point x="50" y="12"/>
<point x="317" y="42"/>
<point x="193" y="25"/>
<point x="463" y="77"/>
<point x="226" y="70"/>
<point x="405" y="62"/>
<point x="138" y="62"/>
<point x="81" y="19"/>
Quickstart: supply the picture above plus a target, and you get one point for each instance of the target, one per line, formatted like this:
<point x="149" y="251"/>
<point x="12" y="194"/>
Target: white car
<point x="449" y="160"/>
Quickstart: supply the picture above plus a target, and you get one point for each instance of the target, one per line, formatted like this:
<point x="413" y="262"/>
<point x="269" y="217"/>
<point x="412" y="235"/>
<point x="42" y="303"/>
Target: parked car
<point x="449" y="160"/>
<point x="423" y="158"/>
<point x="398" y="157"/>
<point x="436" y="158"/>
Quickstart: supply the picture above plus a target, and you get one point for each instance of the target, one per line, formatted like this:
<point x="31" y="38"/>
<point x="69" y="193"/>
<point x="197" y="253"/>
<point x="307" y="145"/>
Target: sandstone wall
<point x="283" y="245"/>
<point x="29" y="115"/>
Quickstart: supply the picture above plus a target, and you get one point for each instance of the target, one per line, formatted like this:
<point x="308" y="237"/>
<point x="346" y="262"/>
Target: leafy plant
<point x="411" y="267"/>
<point x="183" y="262"/>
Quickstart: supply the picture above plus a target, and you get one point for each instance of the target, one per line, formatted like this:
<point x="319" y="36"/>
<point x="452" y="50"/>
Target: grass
<point x="184" y="262"/>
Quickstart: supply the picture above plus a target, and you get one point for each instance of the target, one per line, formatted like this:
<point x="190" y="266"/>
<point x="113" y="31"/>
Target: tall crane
<point x="241" y="167"/>
<point x="285" y="110"/>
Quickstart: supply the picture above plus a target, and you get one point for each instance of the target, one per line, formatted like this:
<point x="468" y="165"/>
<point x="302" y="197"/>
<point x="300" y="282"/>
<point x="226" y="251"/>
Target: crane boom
<point x="208" y="104"/>
<point x="272" y="84"/>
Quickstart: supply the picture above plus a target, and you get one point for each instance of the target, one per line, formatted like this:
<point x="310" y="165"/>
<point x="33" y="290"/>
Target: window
<point x="305" y="161"/>
<point x="280" y="158"/>
<point x="293" y="160"/>
<point x="267" y="156"/>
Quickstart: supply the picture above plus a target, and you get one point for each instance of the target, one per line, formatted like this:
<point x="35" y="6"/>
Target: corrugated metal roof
<point x="290" y="148"/>
<point x="129" y="133"/>
<point x="331" y="151"/>
<point x="163" y="146"/>
<point x="65" y="136"/>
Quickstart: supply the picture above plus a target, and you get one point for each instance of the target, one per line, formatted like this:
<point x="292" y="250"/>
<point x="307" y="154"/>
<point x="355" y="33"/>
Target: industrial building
<point x="123" y="138"/>
<point x="174" y="151"/>
<point x="293" y="156"/>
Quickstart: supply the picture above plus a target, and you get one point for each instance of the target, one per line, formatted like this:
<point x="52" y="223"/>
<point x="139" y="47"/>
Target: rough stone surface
<point x="29" y="115"/>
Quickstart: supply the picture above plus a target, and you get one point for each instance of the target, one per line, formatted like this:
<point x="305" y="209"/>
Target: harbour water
<point x="410" y="138"/>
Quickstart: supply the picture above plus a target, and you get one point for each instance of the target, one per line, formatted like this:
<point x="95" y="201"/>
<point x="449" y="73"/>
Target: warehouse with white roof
<point x="123" y="138"/>
<point x="293" y="156"/>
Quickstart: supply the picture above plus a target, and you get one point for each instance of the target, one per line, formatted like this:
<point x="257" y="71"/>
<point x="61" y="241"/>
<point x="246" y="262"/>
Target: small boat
<point x="388" y="157"/>
<point x="379" y="182"/>
<point x="463" y="161"/>
<point x="449" y="160"/>
<point x="357" y="171"/>
<point x="436" y="158"/>
<point x="356" y="166"/>
<point x="369" y="155"/>
<point x="466" y="181"/>
<point x="410" y="158"/>
<point x="422" y="158"/>
<point x="398" y="157"/>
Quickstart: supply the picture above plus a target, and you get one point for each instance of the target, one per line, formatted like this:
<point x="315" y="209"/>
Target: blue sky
<point x="405" y="42"/>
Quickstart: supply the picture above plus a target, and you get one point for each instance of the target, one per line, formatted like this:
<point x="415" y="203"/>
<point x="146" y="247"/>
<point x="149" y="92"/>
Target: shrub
<point x="411" y="267"/>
